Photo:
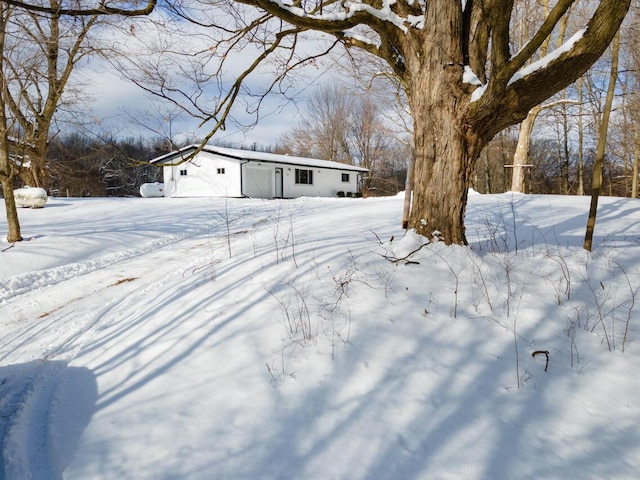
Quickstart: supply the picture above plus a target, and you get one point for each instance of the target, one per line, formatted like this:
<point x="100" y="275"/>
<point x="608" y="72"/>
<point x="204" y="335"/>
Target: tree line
<point x="79" y="166"/>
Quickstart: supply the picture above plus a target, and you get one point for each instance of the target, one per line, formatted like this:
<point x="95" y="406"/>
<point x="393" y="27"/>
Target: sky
<point x="115" y="100"/>
<point x="191" y="338"/>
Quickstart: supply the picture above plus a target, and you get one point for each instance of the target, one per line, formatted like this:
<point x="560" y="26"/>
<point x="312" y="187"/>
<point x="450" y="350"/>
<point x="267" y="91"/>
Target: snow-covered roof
<point x="253" y="156"/>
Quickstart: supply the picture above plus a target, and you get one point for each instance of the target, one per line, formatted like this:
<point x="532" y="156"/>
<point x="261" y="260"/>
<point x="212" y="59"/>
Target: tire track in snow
<point x="27" y="390"/>
<point x="21" y="284"/>
<point x="54" y="325"/>
<point x="26" y="395"/>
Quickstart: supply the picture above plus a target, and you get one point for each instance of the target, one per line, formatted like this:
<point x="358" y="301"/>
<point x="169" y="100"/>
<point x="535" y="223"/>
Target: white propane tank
<point x="30" y="197"/>
<point x="150" y="190"/>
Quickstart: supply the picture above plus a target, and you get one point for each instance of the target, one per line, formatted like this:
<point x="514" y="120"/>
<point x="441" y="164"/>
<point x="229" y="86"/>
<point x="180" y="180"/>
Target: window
<point x="183" y="172"/>
<point x="221" y="171"/>
<point x="345" y="177"/>
<point x="304" y="177"/>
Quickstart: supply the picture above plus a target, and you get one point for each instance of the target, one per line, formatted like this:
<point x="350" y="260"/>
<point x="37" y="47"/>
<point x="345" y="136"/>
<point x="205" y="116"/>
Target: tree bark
<point x="408" y="192"/>
<point x="580" y="141"/>
<point x="598" y="166"/>
<point x="13" y="225"/>
<point x="8" y="169"/>
<point x="444" y="154"/>
<point x="444" y="160"/>
<point x="521" y="157"/>
<point x="443" y="170"/>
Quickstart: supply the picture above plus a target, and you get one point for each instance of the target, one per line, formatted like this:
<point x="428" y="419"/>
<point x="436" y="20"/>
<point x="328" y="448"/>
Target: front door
<point x="278" y="183"/>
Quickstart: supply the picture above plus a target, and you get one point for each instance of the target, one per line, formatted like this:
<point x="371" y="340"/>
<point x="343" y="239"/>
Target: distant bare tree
<point x="627" y="125"/>
<point x="102" y="165"/>
<point x="323" y="130"/>
<point x="41" y="43"/>
<point x="371" y="141"/>
<point x="348" y="127"/>
<point x="521" y="155"/>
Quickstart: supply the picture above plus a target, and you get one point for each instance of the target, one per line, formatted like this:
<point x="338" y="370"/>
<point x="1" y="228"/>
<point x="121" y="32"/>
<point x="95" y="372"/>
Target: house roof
<point x="179" y="156"/>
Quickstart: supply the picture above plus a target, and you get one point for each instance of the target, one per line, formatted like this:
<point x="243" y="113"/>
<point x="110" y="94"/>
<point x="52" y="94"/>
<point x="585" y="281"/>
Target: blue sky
<point x="114" y="96"/>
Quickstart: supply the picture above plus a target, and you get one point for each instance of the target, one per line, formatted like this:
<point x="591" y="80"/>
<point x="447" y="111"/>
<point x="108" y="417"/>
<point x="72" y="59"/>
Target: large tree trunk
<point x="442" y="178"/>
<point x="444" y="158"/>
<point x="13" y="233"/>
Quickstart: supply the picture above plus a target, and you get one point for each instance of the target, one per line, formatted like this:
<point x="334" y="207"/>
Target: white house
<point x="226" y="172"/>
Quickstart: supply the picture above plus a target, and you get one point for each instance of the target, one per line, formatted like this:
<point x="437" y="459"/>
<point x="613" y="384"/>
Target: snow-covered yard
<point x="301" y="339"/>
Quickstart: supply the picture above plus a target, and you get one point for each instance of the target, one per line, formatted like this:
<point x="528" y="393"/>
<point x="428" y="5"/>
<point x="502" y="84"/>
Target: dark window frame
<point x="304" y="176"/>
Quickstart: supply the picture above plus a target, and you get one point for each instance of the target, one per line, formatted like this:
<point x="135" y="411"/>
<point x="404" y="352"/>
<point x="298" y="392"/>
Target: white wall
<point x="202" y="178"/>
<point x="326" y="182"/>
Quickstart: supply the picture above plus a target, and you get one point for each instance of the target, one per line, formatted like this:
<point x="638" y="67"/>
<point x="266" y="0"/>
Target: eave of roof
<point x="182" y="155"/>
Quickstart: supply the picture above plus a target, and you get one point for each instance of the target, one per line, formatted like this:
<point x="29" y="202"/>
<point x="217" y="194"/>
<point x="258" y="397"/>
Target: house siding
<point x="202" y="178"/>
<point x="252" y="177"/>
<point x="326" y="183"/>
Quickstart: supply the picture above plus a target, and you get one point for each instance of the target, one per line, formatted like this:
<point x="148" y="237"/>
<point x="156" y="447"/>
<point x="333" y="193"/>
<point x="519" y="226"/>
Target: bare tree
<point x="9" y="164"/>
<point x="371" y="141"/>
<point x="345" y="126"/>
<point x="634" y="98"/>
<point x="626" y="126"/>
<point x="323" y="130"/>
<point x="521" y="156"/>
<point x="41" y="44"/>
<point x="54" y="46"/>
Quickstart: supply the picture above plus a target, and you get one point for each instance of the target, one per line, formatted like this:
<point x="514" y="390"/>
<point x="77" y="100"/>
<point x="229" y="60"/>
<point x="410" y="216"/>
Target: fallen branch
<point x="405" y="259"/>
<point x="10" y="246"/>
<point x="546" y="354"/>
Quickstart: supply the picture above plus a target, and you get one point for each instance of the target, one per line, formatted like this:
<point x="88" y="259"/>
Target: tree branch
<point x="350" y="15"/>
<point x="560" y="72"/>
<point x="101" y="9"/>
<point x="543" y="33"/>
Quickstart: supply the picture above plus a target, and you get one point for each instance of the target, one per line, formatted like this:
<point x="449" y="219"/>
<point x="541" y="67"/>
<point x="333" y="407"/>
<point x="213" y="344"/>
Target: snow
<point x="550" y="57"/>
<point x="233" y="338"/>
<point x="468" y="76"/>
<point x="478" y="92"/>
